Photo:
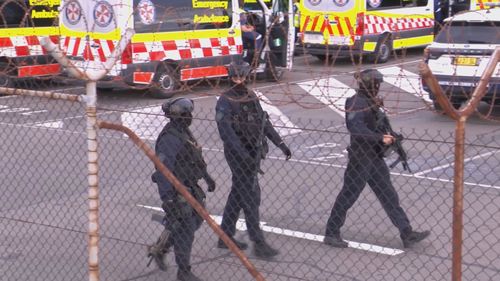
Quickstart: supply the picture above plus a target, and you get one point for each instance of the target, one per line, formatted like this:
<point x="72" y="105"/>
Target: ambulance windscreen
<point x="180" y="15"/>
<point x="15" y="13"/>
<point x="329" y="5"/>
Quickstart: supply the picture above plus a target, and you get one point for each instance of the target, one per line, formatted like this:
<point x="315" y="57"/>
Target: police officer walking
<point x="244" y="128"/>
<point x="366" y="164"/>
<point x="178" y="150"/>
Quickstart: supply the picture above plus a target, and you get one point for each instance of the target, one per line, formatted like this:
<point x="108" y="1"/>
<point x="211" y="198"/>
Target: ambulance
<point x="484" y="4"/>
<point x="174" y="41"/>
<point x="364" y="27"/>
<point x="22" y="25"/>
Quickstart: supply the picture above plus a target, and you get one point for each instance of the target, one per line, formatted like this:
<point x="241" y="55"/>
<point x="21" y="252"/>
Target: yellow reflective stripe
<point x="369" y="46"/>
<point x="413" y="42"/>
<point x="29" y="31"/>
<point x="113" y="35"/>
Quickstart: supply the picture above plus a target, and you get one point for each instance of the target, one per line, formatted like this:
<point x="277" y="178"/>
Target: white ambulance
<point x="22" y="25"/>
<point x="175" y="41"/>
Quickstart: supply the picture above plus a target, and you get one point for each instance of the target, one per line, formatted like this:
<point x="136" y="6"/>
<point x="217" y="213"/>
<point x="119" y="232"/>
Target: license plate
<point x="314" y="38"/>
<point x="460" y="60"/>
<point x="339" y="40"/>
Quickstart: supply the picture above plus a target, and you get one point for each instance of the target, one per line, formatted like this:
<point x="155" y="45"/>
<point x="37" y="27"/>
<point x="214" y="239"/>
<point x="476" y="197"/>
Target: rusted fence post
<point x="91" y="76"/>
<point x="460" y="116"/>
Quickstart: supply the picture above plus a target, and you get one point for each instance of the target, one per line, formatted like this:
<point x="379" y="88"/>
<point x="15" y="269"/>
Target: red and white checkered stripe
<point x="21" y="46"/>
<point x="377" y="24"/>
<point x="99" y="50"/>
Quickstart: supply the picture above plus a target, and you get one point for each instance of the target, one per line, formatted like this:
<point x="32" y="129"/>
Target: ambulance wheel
<point x="165" y="83"/>
<point x="323" y="57"/>
<point x="456" y="103"/>
<point x="382" y="51"/>
<point x="6" y="81"/>
<point x="272" y="73"/>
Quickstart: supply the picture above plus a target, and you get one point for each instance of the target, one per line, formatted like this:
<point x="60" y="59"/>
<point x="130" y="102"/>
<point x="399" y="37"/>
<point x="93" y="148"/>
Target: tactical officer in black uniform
<point x="243" y="127"/>
<point x="179" y="151"/>
<point x="366" y="164"/>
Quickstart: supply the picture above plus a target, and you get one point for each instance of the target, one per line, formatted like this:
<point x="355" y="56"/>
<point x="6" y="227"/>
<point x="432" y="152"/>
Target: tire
<point x="323" y="57"/>
<point x="383" y="51"/>
<point x="6" y="81"/>
<point x="455" y="103"/>
<point x="273" y="74"/>
<point x="165" y="83"/>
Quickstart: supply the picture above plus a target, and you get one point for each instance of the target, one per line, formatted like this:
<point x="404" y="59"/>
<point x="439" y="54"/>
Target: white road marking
<point x="146" y="122"/>
<point x="452" y="164"/>
<point x="281" y="122"/>
<point x="311" y="162"/>
<point x="321" y="145"/>
<point x="330" y="92"/>
<point x="328" y="157"/>
<point x="55" y="124"/>
<point x="14" y="110"/>
<point x="34" y="112"/>
<point x="337" y="74"/>
<point x="405" y="80"/>
<point x="241" y="226"/>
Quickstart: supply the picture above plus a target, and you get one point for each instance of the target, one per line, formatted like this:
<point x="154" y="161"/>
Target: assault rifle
<point x="397" y="145"/>
<point x="261" y="142"/>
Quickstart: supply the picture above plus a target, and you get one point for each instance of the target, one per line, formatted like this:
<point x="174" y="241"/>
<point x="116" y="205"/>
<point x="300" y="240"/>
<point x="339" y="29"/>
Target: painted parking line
<point x="241" y="226"/>
<point x="312" y="162"/>
<point x="330" y="92"/>
<point x="405" y="80"/>
<point x="452" y="164"/>
<point x="280" y="121"/>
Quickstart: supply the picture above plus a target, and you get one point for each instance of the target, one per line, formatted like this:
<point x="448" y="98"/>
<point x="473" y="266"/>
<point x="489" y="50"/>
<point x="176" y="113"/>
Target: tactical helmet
<point x="238" y="69"/>
<point x="368" y="77"/>
<point x="177" y="106"/>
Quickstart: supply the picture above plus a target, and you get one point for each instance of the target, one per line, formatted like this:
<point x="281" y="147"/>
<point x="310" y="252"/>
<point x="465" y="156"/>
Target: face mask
<point x="184" y="120"/>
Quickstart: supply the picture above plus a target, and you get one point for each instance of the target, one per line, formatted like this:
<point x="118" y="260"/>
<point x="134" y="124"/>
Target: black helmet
<point x="239" y="69"/>
<point x="368" y="77"/>
<point x="177" y="106"/>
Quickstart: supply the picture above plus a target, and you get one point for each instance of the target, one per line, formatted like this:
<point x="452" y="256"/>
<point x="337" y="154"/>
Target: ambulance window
<point x="12" y="14"/>
<point x="394" y="4"/>
<point x="180" y="15"/>
<point x="329" y="5"/>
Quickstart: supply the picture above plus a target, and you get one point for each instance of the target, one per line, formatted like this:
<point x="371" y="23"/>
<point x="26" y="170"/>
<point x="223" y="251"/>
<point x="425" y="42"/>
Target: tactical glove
<point x="210" y="183"/>
<point x="285" y="150"/>
<point x="175" y="210"/>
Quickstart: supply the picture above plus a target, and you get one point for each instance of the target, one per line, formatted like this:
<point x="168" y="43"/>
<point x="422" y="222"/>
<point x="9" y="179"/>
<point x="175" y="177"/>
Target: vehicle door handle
<point x="231" y="31"/>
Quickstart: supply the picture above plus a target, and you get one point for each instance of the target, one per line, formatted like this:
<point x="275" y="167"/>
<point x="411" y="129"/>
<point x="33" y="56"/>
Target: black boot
<point x="159" y="258"/>
<point x="239" y="244"/>
<point x="413" y="237"/>
<point x="335" y="241"/>
<point x="186" y="275"/>
<point x="262" y="250"/>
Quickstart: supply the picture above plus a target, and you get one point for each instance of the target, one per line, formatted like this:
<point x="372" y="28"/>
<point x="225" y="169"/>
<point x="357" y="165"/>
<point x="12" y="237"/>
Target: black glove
<point x="175" y="210"/>
<point x="211" y="183"/>
<point x="285" y="150"/>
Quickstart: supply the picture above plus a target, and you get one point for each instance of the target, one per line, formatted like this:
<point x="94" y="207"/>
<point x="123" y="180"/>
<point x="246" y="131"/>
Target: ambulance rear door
<point x="328" y="26"/>
<point x="92" y="30"/>
<point x="282" y="36"/>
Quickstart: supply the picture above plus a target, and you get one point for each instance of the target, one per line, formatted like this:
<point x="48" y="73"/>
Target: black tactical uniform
<point x="179" y="152"/>
<point x="366" y="164"/>
<point x="243" y="127"/>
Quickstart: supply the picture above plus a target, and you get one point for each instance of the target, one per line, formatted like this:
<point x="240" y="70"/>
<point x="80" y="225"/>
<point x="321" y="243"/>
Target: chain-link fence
<point x="45" y="204"/>
<point x="81" y="204"/>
